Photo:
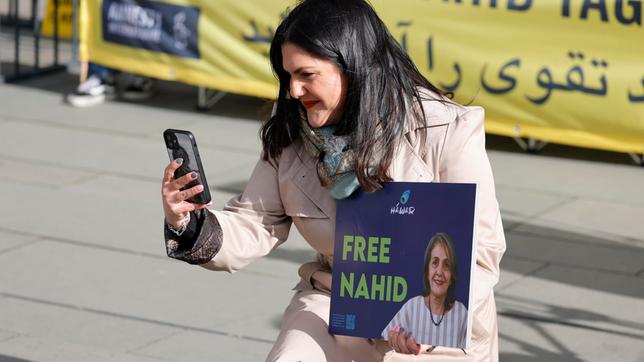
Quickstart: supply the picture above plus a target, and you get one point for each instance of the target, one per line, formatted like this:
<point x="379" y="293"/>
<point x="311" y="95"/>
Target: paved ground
<point x="84" y="277"/>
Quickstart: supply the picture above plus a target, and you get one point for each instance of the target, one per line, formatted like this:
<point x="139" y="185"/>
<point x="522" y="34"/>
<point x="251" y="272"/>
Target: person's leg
<point x="137" y="88"/>
<point x="98" y="87"/>
<point x="101" y="71"/>
<point x="304" y="335"/>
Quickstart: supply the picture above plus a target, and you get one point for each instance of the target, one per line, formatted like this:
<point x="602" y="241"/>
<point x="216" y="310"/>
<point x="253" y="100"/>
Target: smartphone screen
<point x="182" y="144"/>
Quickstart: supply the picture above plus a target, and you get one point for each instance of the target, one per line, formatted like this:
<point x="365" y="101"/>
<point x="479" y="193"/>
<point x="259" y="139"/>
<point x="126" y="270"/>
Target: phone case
<point x="182" y="144"/>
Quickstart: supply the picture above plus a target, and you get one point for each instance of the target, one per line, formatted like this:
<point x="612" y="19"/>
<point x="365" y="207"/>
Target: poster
<point x="396" y="251"/>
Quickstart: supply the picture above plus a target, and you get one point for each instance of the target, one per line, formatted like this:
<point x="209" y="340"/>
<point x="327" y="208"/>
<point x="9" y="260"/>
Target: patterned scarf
<point x="336" y="159"/>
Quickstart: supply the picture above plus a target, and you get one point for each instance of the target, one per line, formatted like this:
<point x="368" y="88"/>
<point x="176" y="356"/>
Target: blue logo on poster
<point x="351" y="321"/>
<point x="152" y="25"/>
<point x="405" y="197"/>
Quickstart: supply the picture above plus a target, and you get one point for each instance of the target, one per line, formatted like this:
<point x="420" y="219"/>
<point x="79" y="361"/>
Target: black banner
<point x="152" y="25"/>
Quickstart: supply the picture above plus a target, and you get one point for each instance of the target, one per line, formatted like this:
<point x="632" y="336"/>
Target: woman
<point x="352" y="111"/>
<point x="435" y="317"/>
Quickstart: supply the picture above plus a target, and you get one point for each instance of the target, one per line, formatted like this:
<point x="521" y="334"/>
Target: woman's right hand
<point x="403" y="342"/>
<point x="175" y="205"/>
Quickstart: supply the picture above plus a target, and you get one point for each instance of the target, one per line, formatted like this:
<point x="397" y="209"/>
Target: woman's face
<point x="317" y="83"/>
<point x="440" y="271"/>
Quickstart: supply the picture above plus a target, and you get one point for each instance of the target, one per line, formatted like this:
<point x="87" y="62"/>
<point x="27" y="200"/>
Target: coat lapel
<point x="306" y="179"/>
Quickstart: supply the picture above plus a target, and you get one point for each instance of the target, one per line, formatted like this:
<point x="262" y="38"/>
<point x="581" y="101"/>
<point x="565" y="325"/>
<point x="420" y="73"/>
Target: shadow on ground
<point x="4" y="358"/>
<point x="535" y="353"/>
<point x="534" y="244"/>
<point x="507" y="144"/>
<point x="595" y="250"/>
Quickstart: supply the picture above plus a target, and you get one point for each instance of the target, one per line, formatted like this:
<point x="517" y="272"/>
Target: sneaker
<point x="138" y="89"/>
<point x="91" y="92"/>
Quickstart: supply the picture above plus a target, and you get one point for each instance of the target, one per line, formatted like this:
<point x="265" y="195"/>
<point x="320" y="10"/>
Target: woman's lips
<point x="309" y="104"/>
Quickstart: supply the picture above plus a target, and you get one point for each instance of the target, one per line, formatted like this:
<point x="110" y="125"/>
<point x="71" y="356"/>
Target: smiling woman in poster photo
<point x="435" y="317"/>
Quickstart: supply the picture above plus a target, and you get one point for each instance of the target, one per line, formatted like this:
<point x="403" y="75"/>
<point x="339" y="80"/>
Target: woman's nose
<point x="297" y="90"/>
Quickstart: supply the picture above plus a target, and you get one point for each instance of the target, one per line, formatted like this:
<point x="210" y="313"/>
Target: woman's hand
<point x="175" y="206"/>
<point x="403" y="342"/>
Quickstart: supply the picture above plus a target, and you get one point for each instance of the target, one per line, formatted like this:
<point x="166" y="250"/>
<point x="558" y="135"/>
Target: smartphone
<point x="182" y="144"/>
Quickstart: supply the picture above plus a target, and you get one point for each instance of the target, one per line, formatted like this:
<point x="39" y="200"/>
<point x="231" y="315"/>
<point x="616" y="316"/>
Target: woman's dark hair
<point x="382" y="82"/>
<point x="445" y="240"/>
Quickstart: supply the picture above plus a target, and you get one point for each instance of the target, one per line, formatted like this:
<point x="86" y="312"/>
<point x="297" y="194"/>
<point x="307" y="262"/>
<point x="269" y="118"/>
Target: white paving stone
<point x="230" y="133"/>
<point x="98" y="206"/>
<point x="118" y="188"/>
<point x="44" y="349"/>
<point x="11" y="240"/>
<point x="100" y="152"/>
<point x="193" y="346"/>
<point x="585" y="179"/>
<point x="259" y="325"/>
<point x="520" y="205"/>
<point x="612" y="257"/>
<point x="592" y="298"/>
<point x="85" y="217"/>
<point x="5" y="334"/>
<point x="160" y="290"/>
<point x="513" y="270"/>
<point x="29" y="172"/>
<point x="78" y="326"/>
<point x="132" y="189"/>
<point x="527" y="340"/>
<point x="599" y="218"/>
<point x="117" y="117"/>
<point x="549" y="230"/>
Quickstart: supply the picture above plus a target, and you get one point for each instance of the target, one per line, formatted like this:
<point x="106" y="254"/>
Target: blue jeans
<point x="100" y="71"/>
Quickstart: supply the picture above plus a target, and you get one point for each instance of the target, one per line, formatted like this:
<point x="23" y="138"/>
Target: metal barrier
<point x="12" y="19"/>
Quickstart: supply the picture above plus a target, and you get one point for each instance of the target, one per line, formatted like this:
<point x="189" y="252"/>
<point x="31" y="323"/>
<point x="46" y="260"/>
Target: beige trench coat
<point x="288" y="191"/>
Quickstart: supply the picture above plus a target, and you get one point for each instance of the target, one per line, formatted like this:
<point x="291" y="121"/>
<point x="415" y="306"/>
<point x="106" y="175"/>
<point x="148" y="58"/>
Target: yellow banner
<point x="563" y="71"/>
